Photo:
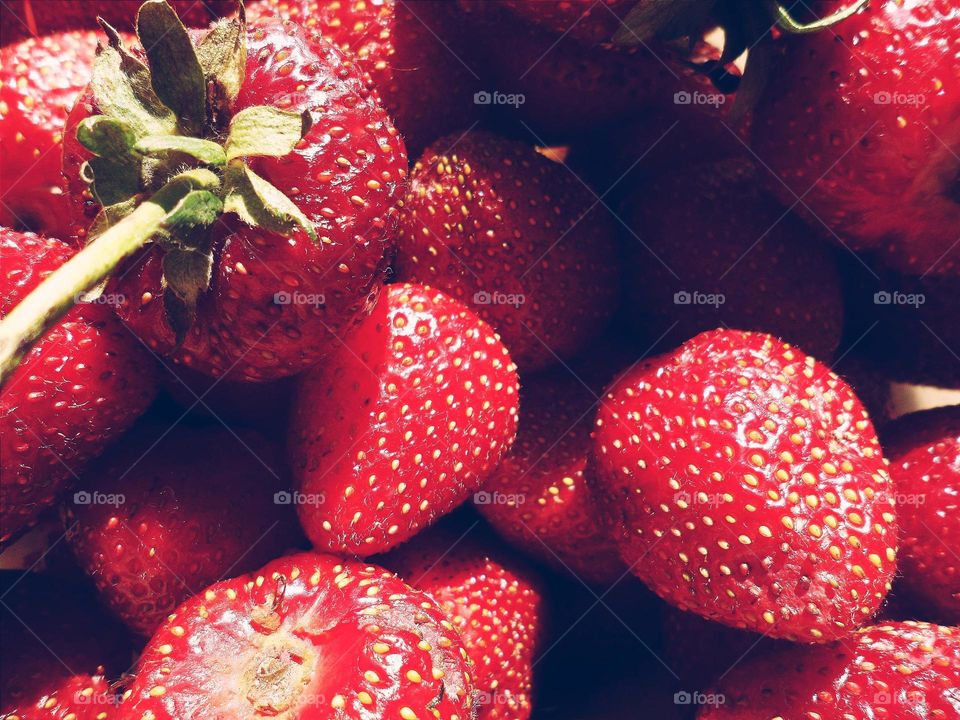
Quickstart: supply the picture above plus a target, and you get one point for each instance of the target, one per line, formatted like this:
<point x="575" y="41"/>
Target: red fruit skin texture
<point x="40" y="80"/>
<point x="712" y="231"/>
<point x="496" y="604"/>
<point x="78" y="389"/>
<point x="413" y="52"/>
<point x="749" y="487"/>
<point x="863" y="123"/>
<point x="345" y="176"/>
<point x="924" y="452"/>
<point x="589" y="21"/>
<point x="80" y="697"/>
<point x="197" y="504"/>
<point x="516" y="237"/>
<point x="895" y="671"/>
<point x="308" y="637"/>
<point x="402" y="424"/>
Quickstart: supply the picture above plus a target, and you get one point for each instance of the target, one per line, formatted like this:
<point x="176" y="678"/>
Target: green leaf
<point x="106" y="136"/>
<point x="197" y="208"/>
<point x="113" y="179"/>
<point x="266" y="131"/>
<point x="662" y="18"/>
<point x="260" y="204"/>
<point x="186" y="274"/>
<point x="175" y="71"/>
<point x="122" y="90"/>
<point x="205" y="151"/>
<point x="223" y="56"/>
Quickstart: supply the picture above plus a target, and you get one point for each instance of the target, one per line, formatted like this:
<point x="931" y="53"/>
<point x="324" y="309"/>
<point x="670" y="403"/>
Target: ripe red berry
<point x="402" y="424"/>
<point x="749" y="487"/>
<point x="308" y="636"/>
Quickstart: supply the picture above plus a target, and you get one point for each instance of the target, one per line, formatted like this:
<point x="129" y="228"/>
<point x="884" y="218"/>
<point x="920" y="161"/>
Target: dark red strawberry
<point x="40" y="80"/>
<point x="900" y="671"/>
<point x="171" y="511"/>
<point x="79" y="388"/>
<point x="516" y="237"/>
<point x="496" y="604"/>
<point x="56" y="646"/>
<point x="860" y="126"/>
<point x="402" y="424"/>
<point x="414" y="53"/>
<point x="308" y="636"/>
<point x="749" y="487"/>
<point x="586" y="20"/>
<point x="710" y="248"/>
<point x="924" y="452"/>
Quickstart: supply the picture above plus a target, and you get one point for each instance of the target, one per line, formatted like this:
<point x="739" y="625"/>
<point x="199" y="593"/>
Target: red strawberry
<point x="749" y="487"/>
<point x="82" y="386"/>
<point x="308" y="636"/>
<point x="861" y="124"/>
<point x="413" y="52"/>
<point x="495" y="603"/>
<point x="711" y="249"/>
<point x="900" y="671"/>
<point x="402" y="424"/>
<point x="273" y="300"/>
<point x="171" y="511"/>
<point x="515" y="236"/>
<point x="586" y="20"/>
<point x="40" y="80"/>
<point x="54" y="650"/>
<point x="924" y="452"/>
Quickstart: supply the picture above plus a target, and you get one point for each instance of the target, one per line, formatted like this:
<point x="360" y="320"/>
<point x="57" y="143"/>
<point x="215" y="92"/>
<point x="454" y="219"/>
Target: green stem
<point x="786" y="22"/>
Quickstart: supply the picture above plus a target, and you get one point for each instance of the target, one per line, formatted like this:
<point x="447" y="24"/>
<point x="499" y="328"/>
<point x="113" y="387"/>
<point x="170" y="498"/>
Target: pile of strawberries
<point x="479" y="359"/>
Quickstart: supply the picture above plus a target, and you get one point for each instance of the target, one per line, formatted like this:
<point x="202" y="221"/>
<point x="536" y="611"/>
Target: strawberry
<point x="55" y="653"/>
<point x="496" y="604"/>
<point x="515" y="236"/>
<point x="586" y="20"/>
<point x="413" y="52"/>
<point x="308" y="636"/>
<point x="924" y="452"/>
<point x="713" y="249"/>
<point x="82" y="386"/>
<point x="402" y="424"/>
<point x="40" y="80"/>
<point x="903" y="670"/>
<point x="171" y="511"/>
<point x="861" y="125"/>
<point x="749" y="487"/>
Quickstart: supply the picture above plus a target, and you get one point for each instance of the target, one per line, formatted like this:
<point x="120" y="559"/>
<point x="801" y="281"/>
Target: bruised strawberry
<point x="411" y="50"/>
<point x="710" y="248"/>
<point x="77" y="390"/>
<point x="495" y="603"/>
<point x="170" y="511"/>
<point x="516" y="237"/>
<point x="308" y="636"/>
<point x="902" y="671"/>
<point x="924" y="452"/>
<point x="402" y="424"/>
<point x="749" y="487"/>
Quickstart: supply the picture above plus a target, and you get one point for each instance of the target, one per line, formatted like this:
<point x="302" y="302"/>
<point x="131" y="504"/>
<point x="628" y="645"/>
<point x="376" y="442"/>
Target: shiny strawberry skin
<point x="345" y="176"/>
<point x="862" y="123"/>
<point x="77" y="390"/>
<point x="895" y="671"/>
<point x="307" y="637"/>
<point x="496" y="604"/>
<point x="198" y="504"/>
<point x="402" y="424"/>
<point x="517" y="238"/>
<point x="924" y="452"/>
<point x="749" y="487"/>
<point x="411" y="50"/>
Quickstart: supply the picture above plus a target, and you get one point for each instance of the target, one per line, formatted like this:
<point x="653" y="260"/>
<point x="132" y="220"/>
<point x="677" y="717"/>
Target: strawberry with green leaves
<point x="748" y="486"/>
